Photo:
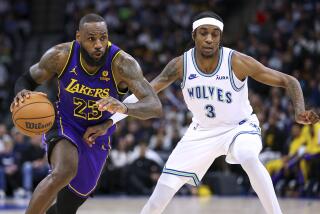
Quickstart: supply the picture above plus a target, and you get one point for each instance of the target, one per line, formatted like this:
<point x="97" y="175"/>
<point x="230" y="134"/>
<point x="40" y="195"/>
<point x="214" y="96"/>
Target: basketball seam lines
<point x="22" y="118"/>
<point x="27" y="105"/>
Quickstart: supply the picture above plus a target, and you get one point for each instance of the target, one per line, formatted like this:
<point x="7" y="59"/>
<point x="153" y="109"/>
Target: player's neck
<point x="207" y="64"/>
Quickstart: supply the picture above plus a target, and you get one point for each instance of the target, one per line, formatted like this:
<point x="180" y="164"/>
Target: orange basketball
<point x="34" y="116"/>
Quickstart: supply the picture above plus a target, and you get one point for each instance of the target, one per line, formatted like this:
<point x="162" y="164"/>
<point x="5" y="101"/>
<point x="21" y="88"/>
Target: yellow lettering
<point x="71" y="86"/>
<point x="98" y="91"/>
<point x="90" y="92"/>
<point x="74" y="87"/>
<point x="83" y="89"/>
<point x="104" y="93"/>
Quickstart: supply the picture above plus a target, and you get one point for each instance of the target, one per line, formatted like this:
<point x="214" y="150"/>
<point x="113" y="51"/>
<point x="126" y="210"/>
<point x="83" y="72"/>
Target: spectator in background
<point x="143" y="173"/>
<point x="310" y="163"/>
<point x="35" y="166"/>
<point x="4" y="137"/>
<point x="114" y="179"/>
<point x="10" y="167"/>
<point x="286" y="172"/>
<point x="161" y="143"/>
<point x="20" y="143"/>
<point x="273" y="138"/>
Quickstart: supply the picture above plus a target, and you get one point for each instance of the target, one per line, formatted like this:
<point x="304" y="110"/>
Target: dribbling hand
<point x="307" y="117"/>
<point x="112" y="105"/>
<point x="21" y="96"/>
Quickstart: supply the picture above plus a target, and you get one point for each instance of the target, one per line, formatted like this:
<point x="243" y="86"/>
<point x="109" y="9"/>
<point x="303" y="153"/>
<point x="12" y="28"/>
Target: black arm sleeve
<point x="25" y="81"/>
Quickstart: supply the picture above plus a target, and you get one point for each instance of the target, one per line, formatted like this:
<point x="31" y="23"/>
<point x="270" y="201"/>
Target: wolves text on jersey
<point x="210" y="93"/>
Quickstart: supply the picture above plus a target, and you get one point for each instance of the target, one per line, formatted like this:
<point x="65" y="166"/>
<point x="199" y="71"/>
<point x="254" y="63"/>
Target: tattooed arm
<point x="172" y="72"/>
<point x="244" y="66"/>
<point x="127" y="71"/>
<point x="51" y="63"/>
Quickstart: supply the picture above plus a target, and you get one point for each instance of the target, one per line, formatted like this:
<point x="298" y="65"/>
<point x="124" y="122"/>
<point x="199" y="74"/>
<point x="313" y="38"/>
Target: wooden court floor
<point x="183" y="205"/>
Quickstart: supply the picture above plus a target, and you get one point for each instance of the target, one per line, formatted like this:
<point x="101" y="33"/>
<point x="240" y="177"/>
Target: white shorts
<point x="199" y="147"/>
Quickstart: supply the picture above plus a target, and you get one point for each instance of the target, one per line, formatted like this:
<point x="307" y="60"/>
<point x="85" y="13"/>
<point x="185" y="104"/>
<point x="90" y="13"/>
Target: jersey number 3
<point x="210" y="111"/>
<point x="81" y="105"/>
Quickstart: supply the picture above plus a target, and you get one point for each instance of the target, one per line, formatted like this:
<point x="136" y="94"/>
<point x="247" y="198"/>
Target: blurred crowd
<point x="15" y="28"/>
<point x="282" y="34"/>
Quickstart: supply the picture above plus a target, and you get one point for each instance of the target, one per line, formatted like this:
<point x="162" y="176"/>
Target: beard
<point x="91" y="61"/>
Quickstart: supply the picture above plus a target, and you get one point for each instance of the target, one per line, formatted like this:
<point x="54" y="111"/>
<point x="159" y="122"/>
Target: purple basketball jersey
<point x="76" y="111"/>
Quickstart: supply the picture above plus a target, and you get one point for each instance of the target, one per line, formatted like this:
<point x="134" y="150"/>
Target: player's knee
<point x="59" y="178"/>
<point x="63" y="176"/>
<point x="249" y="158"/>
<point x="246" y="148"/>
<point x="244" y="155"/>
<point x="172" y="182"/>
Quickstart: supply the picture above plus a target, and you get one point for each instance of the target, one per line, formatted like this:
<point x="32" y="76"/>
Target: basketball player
<point x="214" y="86"/>
<point x="87" y="70"/>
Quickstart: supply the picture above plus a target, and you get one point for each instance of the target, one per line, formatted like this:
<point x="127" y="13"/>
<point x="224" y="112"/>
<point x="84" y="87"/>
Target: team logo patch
<point x="192" y="76"/>
<point x="104" y="76"/>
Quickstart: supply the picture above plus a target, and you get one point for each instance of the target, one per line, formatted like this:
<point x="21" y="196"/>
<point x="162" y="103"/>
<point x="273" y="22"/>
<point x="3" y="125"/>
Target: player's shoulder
<point x="59" y="51"/>
<point x="62" y="49"/>
<point x="175" y="67"/>
<point x="124" y="66"/>
<point x="239" y="57"/>
<point x="177" y="62"/>
<point x="122" y="60"/>
<point x="57" y="56"/>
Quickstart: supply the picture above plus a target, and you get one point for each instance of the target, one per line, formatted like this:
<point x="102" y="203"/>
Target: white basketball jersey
<point x="217" y="99"/>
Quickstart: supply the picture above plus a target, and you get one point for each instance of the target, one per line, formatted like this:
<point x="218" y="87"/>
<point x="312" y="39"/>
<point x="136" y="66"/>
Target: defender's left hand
<point x="112" y="105"/>
<point x="95" y="131"/>
<point x="307" y="117"/>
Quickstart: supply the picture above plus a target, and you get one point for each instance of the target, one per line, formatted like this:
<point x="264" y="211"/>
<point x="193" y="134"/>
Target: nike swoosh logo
<point x="192" y="76"/>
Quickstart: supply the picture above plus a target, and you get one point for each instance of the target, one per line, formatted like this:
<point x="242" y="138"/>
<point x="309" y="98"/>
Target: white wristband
<point x="118" y="116"/>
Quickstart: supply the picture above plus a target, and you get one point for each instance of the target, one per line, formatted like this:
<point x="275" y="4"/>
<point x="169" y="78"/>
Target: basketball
<point x="34" y="116"/>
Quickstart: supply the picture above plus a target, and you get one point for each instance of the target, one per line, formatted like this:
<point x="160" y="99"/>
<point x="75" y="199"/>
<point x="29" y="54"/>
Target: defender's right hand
<point x="307" y="117"/>
<point x="21" y="96"/>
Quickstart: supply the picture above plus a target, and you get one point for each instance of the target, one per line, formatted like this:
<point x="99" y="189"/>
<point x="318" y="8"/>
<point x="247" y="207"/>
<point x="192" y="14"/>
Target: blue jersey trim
<point x="231" y="74"/>
<point x="244" y="132"/>
<point x="214" y="71"/>
<point x="184" y="70"/>
<point x="182" y="174"/>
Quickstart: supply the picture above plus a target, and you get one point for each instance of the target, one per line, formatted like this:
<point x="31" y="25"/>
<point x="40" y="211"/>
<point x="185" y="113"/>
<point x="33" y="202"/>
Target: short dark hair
<point x="91" y="17"/>
<point x="207" y="14"/>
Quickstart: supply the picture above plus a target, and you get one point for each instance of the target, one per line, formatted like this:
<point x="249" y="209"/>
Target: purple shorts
<point x="91" y="159"/>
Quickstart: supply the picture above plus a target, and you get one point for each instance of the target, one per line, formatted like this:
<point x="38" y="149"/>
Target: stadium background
<point x="281" y="34"/>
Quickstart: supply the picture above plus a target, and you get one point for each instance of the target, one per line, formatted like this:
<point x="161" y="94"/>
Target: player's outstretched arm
<point x="170" y="73"/>
<point x="51" y="63"/>
<point x="244" y="66"/>
<point x="127" y="71"/>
